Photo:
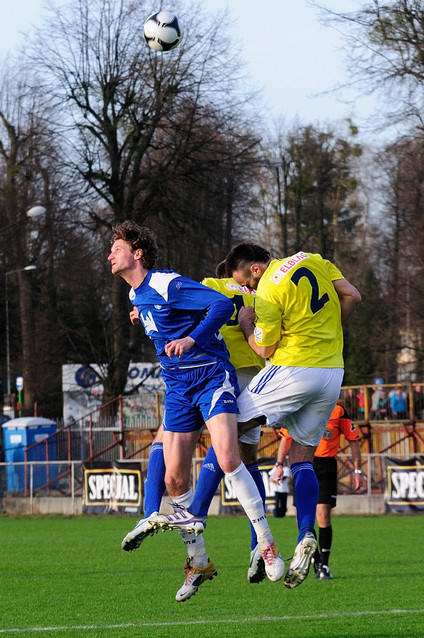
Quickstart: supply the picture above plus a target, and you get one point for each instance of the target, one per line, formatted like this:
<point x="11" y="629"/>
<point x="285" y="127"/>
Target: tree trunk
<point x="116" y="378"/>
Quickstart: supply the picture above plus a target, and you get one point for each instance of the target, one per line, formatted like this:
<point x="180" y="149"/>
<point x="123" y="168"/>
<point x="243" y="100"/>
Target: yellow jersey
<point x="241" y="354"/>
<point x="297" y="306"/>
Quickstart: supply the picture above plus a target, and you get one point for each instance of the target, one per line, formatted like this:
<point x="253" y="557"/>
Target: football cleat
<point x="256" y="572"/>
<point x="195" y="576"/>
<point x="144" y="528"/>
<point x="324" y="573"/>
<point x="301" y="561"/>
<point x="181" y="519"/>
<point x="273" y="561"/>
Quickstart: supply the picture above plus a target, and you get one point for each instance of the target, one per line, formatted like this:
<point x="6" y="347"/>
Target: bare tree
<point x="401" y="248"/>
<point x="24" y="142"/>
<point x="385" y="55"/>
<point x="136" y="123"/>
<point x="314" y="193"/>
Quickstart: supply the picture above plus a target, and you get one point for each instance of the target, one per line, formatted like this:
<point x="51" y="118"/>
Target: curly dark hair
<point x="243" y="255"/>
<point x="138" y="237"/>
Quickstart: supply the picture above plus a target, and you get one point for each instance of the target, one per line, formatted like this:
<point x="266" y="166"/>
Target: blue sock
<point x="253" y="469"/>
<point x="210" y="476"/>
<point x="306" y="489"/>
<point x="154" y="485"/>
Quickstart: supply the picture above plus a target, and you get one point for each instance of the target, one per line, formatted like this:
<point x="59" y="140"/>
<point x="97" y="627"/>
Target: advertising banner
<point x="405" y="485"/>
<point x="83" y="389"/>
<point x="111" y="487"/>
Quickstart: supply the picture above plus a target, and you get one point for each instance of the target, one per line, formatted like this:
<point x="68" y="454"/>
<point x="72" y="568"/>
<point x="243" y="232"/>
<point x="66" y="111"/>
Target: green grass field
<point x="69" y="577"/>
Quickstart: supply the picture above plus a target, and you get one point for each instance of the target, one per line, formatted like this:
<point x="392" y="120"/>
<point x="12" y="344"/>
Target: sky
<point x="288" y="53"/>
<point x="296" y="59"/>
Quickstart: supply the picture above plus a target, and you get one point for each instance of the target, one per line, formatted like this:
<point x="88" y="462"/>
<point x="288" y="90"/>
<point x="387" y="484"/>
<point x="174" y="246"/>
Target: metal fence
<point x="56" y="479"/>
<point x="125" y="429"/>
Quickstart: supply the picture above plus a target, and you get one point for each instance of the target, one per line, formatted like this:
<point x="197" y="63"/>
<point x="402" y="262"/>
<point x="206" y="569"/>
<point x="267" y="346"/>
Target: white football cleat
<point x="274" y="563"/>
<point x="301" y="561"/>
<point x="181" y="520"/>
<point x="144" y="528"/>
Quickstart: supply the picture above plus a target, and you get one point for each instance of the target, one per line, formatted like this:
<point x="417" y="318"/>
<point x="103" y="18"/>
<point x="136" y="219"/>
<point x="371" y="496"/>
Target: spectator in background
<point x="383" y="405"/>
<point x="282" y="488"/>
<point x="378" y="402"/>
<point x="398" y="403"/>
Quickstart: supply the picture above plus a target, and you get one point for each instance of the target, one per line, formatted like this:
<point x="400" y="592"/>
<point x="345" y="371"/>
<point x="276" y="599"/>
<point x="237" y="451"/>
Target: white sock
<point x="247" y="493"/>
<point x="195" y="545"/>
<point x="183" y="499"/>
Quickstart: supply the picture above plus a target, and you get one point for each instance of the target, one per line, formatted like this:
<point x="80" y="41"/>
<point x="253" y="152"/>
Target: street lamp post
<point x="11" y="272"/>
<point x="33" y="213"/>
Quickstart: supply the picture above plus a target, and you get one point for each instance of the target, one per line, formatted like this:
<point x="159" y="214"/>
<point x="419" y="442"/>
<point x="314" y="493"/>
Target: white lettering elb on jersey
<point x="243" y="289"/>
<point x="278" y="275"/>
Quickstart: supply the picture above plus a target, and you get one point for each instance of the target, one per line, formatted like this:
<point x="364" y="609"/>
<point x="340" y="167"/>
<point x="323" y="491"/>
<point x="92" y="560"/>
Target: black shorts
<point x="325" y="468"/>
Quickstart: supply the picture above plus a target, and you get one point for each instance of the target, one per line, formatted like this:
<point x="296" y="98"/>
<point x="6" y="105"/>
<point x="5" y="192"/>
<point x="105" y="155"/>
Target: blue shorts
<point x="194" y="395"/>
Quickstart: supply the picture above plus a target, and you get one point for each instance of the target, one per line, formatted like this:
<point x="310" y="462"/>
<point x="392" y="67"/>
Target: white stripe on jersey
<point x="160" y="281"/>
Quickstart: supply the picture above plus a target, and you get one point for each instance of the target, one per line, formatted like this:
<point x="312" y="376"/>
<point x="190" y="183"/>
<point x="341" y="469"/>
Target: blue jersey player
<point x="183" y="318"/>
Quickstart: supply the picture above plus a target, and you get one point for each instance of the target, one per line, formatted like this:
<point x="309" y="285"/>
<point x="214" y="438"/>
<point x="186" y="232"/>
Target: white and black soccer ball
<point x="162" y="31"/>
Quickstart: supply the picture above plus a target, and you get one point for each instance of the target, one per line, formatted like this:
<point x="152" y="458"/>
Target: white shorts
<point x="244" y="377"/>
<point x="299" y="399"/>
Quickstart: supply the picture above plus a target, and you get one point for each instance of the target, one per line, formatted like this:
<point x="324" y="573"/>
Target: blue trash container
<point x="18" y="435"/>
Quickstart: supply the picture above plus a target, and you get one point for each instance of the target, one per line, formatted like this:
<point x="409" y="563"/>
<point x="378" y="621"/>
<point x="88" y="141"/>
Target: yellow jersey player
<point x="301" y="303"/>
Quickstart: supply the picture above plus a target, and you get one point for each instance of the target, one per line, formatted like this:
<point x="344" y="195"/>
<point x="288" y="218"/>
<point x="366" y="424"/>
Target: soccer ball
<point x="162" y="31"/>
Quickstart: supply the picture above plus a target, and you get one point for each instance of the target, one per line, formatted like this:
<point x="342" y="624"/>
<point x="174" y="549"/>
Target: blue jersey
<point x="171" y="307"/>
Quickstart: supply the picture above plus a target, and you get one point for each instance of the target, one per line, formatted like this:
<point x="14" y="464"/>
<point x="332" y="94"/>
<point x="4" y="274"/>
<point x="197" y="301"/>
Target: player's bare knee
<point x="228" y="462"/>
<point x="176" y="485"/>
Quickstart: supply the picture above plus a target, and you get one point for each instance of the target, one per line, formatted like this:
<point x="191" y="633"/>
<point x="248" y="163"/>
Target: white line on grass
<point x="223" y="621"/>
